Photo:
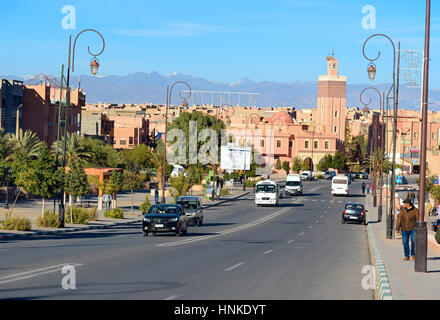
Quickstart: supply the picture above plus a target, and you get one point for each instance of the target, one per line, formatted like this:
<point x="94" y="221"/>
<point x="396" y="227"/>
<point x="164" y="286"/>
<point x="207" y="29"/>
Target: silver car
<point x="192" y="206"/>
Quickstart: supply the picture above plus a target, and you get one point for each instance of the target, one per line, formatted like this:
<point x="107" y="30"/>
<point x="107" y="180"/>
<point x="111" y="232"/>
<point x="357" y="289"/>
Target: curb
<point x="381" y="275"/>
<point x="49" y="232"/>
<point x="223" y="201"/>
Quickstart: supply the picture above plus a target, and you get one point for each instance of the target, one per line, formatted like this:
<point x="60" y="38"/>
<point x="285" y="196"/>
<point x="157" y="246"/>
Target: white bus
<point x="340" y="185"/>
<point x="267" y="192"/>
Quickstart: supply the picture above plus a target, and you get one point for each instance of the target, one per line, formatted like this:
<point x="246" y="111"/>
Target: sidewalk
<point x="399" y="275"/>
<point x="32" y="209"/>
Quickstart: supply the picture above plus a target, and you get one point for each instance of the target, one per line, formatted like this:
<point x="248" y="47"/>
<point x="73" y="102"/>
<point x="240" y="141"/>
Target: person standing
<point x="156" y="196"/>
<point x="368" y="189"/>
<point x="406" y="224"/>
<point x="428" y="208"/>
<point x="363" y="188"/>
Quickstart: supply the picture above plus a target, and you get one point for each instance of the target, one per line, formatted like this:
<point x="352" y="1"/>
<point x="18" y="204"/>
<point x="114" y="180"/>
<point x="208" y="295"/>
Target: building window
<point x="306" y="144"/>
<point x="130" y="139"/>
<point x="433" y="135"/>
<point x="122" y="142"/>
<point x="336" y="129"/>
<point x="326" y="145"/>
<point x="290" y="144"/>
<point x="336" y="114"/>
<point x="278" y="143"/>
<point x="415" y="135"/>
<point x="261" y="143"/>
<point x="315" y="145"/>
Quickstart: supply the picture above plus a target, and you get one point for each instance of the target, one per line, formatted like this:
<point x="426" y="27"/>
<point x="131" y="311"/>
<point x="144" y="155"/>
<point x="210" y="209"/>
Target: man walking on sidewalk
<point x="363" y="188"/>
<point x="406" y="222"/>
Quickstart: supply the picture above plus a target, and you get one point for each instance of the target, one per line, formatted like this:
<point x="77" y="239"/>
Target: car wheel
<point x="343" y="221"/>
<point x="153" y="234"/>
<point x="200" y="222"/>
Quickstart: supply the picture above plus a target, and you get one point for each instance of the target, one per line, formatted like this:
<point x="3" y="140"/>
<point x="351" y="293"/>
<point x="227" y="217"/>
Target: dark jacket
<point x="406" y="219"/>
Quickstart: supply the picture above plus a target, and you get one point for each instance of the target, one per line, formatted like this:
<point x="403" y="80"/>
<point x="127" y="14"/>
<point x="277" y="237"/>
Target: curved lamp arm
<point x="88" y="48"/>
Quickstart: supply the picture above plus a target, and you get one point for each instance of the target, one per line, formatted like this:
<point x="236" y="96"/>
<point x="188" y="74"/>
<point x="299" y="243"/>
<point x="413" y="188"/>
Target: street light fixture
<point x="395" y="95"/>
<point x="63" y="115"/>
<point x="168" y="103"/>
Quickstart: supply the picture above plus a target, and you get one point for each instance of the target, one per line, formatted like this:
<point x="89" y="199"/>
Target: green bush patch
<point x="81" y="215"/>
<point x="49" y="220"/>
<point x="116" y="213"/>
<point x="17" y="223"/>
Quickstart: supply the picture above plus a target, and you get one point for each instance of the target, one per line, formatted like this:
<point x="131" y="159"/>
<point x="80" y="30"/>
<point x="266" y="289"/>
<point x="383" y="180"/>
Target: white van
<point x="267" y="192"/>
<point x="340" y="185"/>
<point x="294" y="185"/>
<point x="177" y="169"/>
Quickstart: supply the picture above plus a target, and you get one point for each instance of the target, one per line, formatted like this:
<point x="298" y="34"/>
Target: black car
<point x="354" y="212"/>
<point x="165" y="218"/>
<point x="435" y="225"/>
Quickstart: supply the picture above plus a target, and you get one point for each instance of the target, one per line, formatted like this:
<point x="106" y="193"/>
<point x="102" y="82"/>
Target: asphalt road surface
<point x="298" y="250"/>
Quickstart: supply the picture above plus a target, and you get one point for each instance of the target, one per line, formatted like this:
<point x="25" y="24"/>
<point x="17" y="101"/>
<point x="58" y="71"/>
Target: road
<point x="298" y="250"/>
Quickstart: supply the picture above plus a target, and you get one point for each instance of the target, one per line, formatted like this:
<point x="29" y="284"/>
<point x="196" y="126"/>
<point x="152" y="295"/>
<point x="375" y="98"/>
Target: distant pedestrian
<point x="406" y="223"/>
<point x="156" y="196"/>
<point x="222" y="183"/>
<point x="106" y="199"/>
<point x="368" y="189"/>
<point x="428" y="207"/>
<point x="363" y="188"/>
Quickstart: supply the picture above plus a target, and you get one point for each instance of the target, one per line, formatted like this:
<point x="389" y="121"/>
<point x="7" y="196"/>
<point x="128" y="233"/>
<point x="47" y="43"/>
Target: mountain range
<point x="141" y="87"/>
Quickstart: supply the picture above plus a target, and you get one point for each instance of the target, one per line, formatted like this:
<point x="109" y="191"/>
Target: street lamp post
<point x="374" y="145"/>
<point x="94" y="65"/>
<point x="17" y="121"/>
<point x="421" y="230"/>
<point x="395" y="91"/>
<point x="168" y="103"/>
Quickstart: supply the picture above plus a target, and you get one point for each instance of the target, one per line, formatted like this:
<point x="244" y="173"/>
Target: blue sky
<point x="273" y="40"/>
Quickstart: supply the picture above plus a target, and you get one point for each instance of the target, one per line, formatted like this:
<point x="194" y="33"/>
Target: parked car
<point x="358" y="175"/>
<point x="349" y="176"/>
<point x="165" y="218"/>
<point x="328" y="175"/>
<point x="192" y="206"/>
<point x="365" y="175"/>
<point x="306" y="175"/>
<point x="435" y="225"/>
<point x="354" y="212"/>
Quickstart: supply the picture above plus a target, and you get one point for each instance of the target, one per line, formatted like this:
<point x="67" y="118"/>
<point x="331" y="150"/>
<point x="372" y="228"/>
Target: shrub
<point x="250" y="183"/>
<point x="80" y="215"/>
<point x="93" y="214"/>
<point x="15" y="223"/>
<point x="145" y="206"/>
<point x="224" y="192"/>
<point x="49" y="220"/>
<point x="116" y="213"/>
<point x="319" y="176"/>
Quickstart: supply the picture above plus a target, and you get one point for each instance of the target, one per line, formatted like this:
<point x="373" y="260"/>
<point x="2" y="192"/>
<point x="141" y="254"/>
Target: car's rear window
<point x="354" y="206"/>
<point x="340" y="181"/>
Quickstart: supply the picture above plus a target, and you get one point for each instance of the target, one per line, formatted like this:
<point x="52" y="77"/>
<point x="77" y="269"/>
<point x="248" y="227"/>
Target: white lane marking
<point x="322" y="200"/>
<point x="332" y="200"/>
<point x="239" y="228"/>
<point x="314" y="200"/>
<point x="339" y="201"/>
<point x="290" y="241"/>
<point x="310" y="227"/>
<point x="316" y="221"/>
<point x="302" y="233"/>
<point x="35" y="273"/>
<point x="174" y="296"/>
<point x="234" y="266"/>
<point x="322" y="217"/>
<point x="268" y="251"/>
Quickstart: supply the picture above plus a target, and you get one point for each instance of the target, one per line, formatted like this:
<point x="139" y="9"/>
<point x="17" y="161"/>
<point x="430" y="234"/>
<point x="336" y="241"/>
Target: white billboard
<point x="233" y="158"/>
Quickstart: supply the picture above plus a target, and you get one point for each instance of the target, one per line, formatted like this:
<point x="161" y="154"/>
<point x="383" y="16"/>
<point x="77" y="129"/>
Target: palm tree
<point x="75" y="148"/>
<point x="369" y="161"/>
<point x="27" y="144"/>
<point x="7" y="145"/>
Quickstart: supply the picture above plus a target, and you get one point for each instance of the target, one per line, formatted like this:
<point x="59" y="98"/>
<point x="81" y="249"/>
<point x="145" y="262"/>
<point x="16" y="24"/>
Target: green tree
<point x="286" y="166"/>
<point x="278" y="165"/>
<point x="131" y="182"/>
<point x="325" y="163"/>
<point x="76" y="184"/>
<point x="115" y="183"/>
<point x="28" y="144"/>
<point x="136" y="159"/>
<point x="101" y="155"/>
<point x="76" y="148"/>
<point x="180" y="185"/>
<point x="435" y="193"/>
<point x="339" y="161"/>
<point x="7" y="145"/>
<point x="297" y="165"/>
<point x="41" y="177"/>
<point x="306" y="164"/>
